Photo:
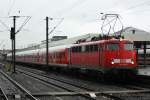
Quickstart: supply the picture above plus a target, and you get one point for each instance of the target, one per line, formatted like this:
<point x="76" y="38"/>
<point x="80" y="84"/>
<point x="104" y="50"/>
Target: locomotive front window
<point x="128" y="46"/>
<point x="112" y="47"/>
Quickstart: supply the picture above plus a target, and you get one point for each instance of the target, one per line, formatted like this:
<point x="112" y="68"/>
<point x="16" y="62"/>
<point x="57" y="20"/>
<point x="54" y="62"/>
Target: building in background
<point x="138" y="36"/>
<point x="141" y="41"/>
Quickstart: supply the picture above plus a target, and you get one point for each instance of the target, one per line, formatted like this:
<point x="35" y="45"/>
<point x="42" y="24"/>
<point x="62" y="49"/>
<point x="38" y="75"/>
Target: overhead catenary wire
<point x="11" y="7"/>
<point x="131" y="8"/>
<point x="1" y="43"/>
<point x="56" y="26"/>
<point x="4" y="25"/>
<point x="25" y="22"/>
<point x="65" y="11"/>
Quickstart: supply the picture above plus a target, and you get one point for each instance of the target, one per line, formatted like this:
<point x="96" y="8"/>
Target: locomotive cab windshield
<point x="119" y="46"/>
<point x="128" y="46"/>
<point x="112" y="46"/>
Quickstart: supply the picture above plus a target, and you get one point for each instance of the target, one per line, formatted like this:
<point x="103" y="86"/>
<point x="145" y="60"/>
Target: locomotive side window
<point x="101" y="48"/>
<point x="91" y="48"/>
<point x="112" y="47"/>
<point x="87" y="48"/>
<point x="95" y="47"/>
<point x="128" y="46"/>
<point x="83" y="48"/>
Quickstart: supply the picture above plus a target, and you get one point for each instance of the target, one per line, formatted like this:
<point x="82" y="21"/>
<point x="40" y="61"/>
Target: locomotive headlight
<point x="112" y="62"/>
<point x="132" y="62"/>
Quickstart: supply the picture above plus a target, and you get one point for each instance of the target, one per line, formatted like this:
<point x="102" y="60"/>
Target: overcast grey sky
<point x="80" y="17"/>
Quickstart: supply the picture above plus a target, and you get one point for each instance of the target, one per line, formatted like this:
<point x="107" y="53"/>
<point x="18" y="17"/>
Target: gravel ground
<point x="36" y="86"/>
<point x="89" y="84"/>
<point x="33" y="85"/>
<point x="7" y="86"/>
<point x="134" y="96"/>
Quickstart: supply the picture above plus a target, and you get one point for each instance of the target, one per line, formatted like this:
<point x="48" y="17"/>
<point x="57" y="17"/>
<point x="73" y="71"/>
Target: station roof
<point x="72" y="40"/>
<point x="135" y="34"/>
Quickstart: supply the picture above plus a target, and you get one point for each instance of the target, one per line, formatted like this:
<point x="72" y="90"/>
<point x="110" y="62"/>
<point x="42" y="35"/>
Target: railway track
<point x="56" y="83"/>
<point x="133" y="85"/>
<point x="3" y="96"/>
<point x="141" y="81"/>
<point x="115" y="95"/>
<point x="77" y="89"/>
<point x="73" y="89"/>
<point x="25" y="93"/>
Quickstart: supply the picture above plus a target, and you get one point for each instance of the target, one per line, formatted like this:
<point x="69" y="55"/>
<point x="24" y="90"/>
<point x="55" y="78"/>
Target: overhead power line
<point x="8" y="29"/>
<point x="137" y="6"/>
<point x="11" y="7"/>
<point x="71" y="7"/>
<point x="61" y="19"/>
<point x="25" y="22"/>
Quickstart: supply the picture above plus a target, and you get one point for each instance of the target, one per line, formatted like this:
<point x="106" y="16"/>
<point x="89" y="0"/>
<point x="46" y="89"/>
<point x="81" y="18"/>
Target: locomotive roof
<point x="103" y="41"/>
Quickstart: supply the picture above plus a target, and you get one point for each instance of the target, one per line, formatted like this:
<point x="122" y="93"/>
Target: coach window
<point x="79" y="48"/>
<point x="112" y="47"/>
<point x="74" y="49"/>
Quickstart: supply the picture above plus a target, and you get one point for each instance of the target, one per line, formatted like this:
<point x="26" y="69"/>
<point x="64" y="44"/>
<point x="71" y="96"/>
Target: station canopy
<point x="135" y="34"/>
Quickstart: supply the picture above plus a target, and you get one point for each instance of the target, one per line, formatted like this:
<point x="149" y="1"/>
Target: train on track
<point x="106" y="56"/>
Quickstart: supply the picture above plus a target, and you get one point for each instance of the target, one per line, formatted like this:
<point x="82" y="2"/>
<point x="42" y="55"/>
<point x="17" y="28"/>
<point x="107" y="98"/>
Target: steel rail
<point x="85" y="95"/>
<point x="62" y="87"/>
<point x="60" y="80"/>
<point x="19" y="86"/>
<point x="3" y="93"/>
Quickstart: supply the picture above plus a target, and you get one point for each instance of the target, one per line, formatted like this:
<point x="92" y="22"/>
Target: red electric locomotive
<point x="108" y="56"/>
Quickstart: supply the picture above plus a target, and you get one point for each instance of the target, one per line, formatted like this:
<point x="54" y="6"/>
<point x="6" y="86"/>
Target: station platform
<point x="144" y="71"/>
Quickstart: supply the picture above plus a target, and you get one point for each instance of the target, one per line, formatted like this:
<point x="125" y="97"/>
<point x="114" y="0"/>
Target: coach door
<point x="69" y="56"/>
<point x="100" y="54"/>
